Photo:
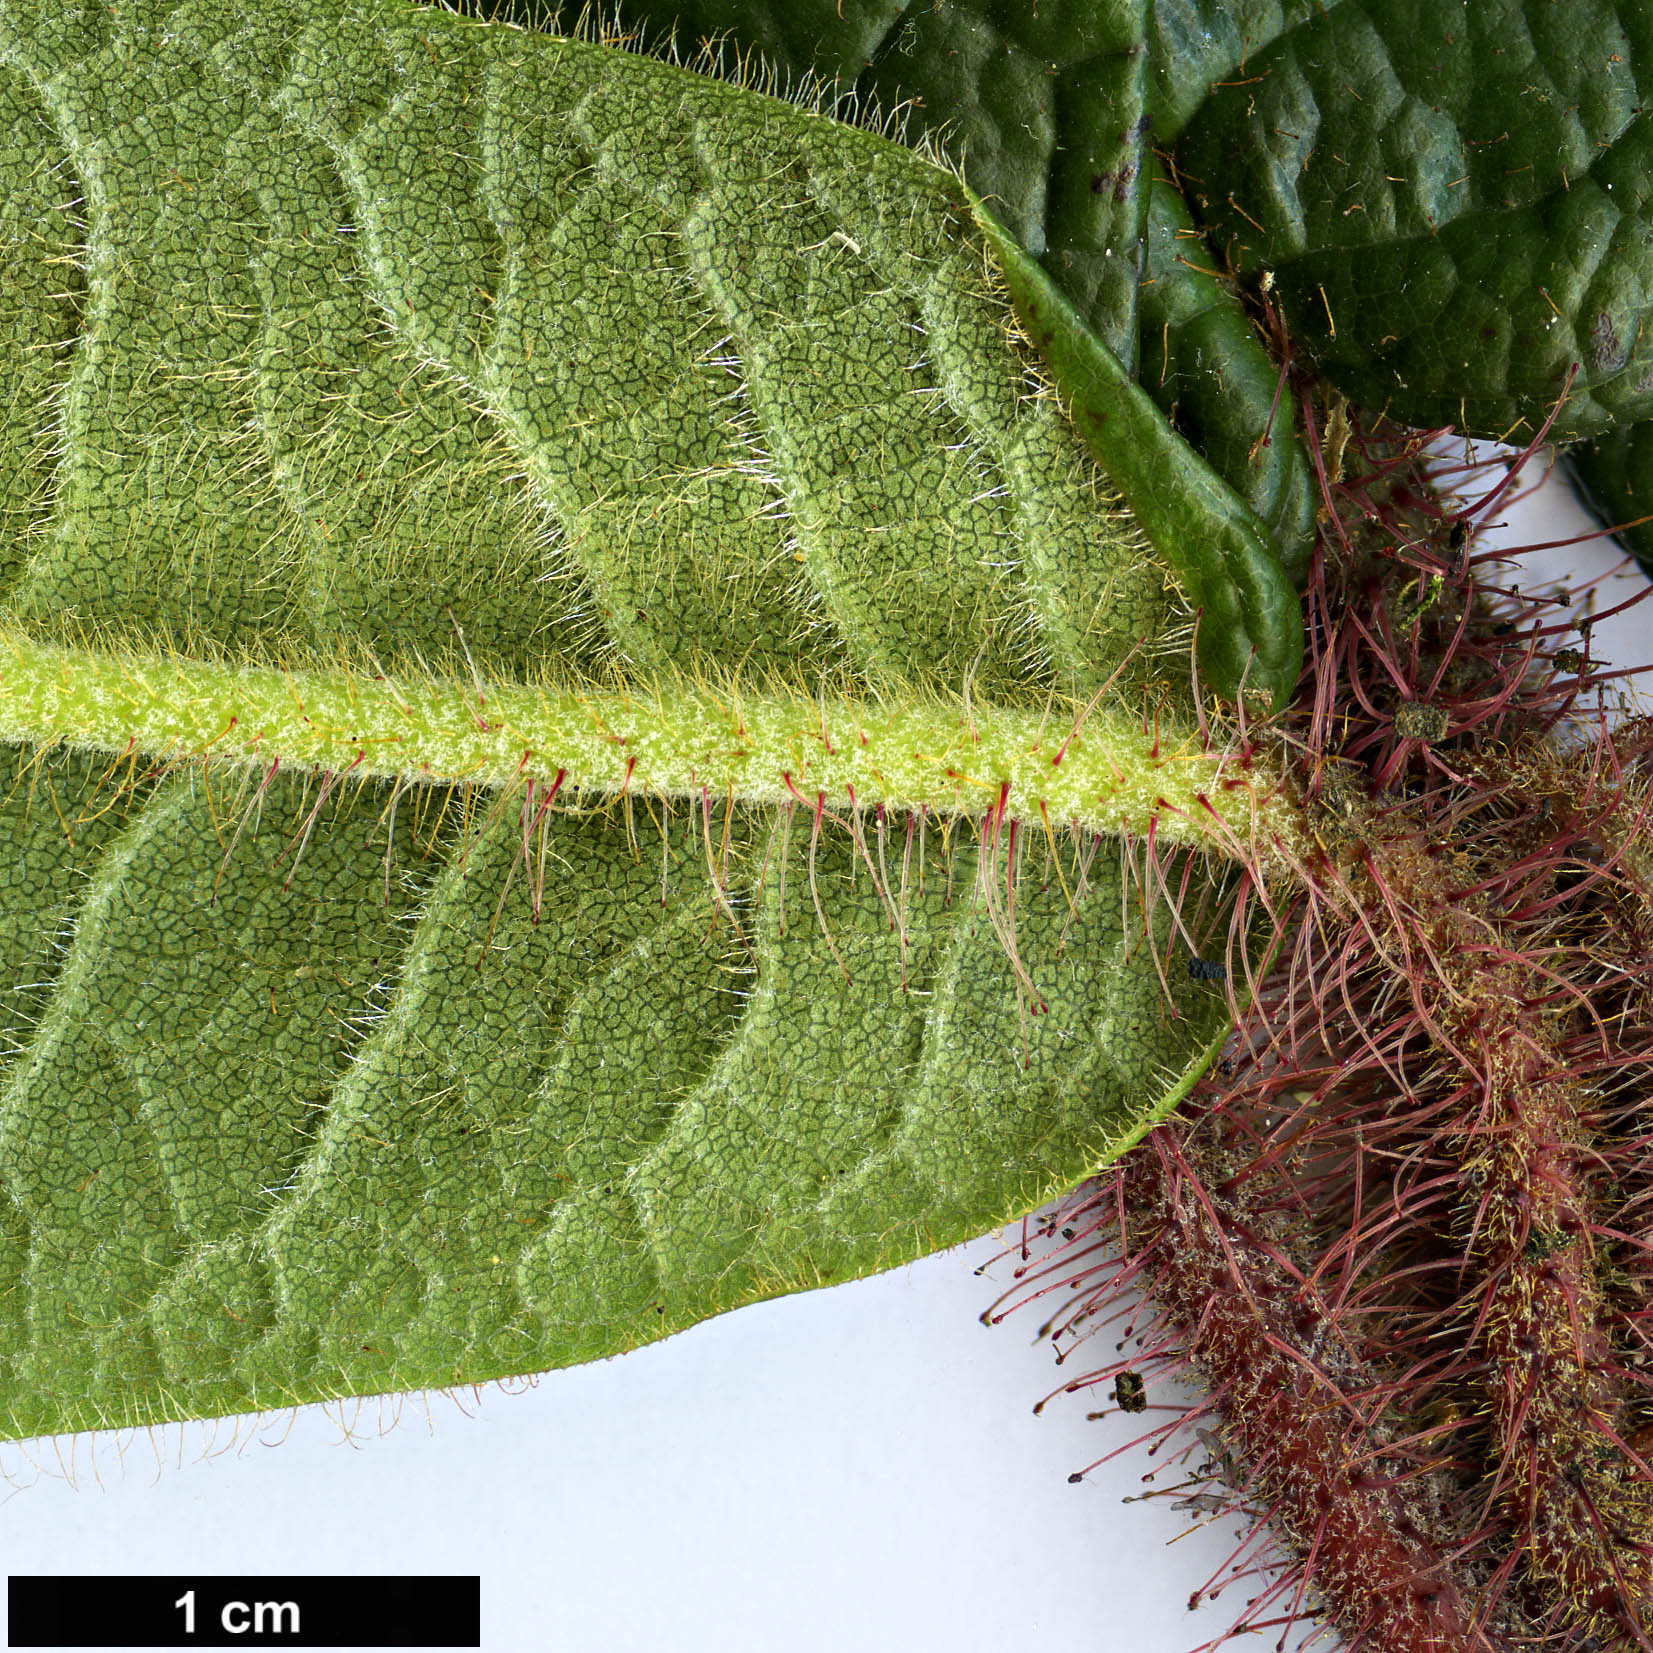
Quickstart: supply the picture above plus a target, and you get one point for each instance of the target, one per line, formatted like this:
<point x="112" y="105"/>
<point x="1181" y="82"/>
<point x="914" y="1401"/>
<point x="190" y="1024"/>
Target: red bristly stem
<point x="1526" y="1157"/>
<point x="1265" y="1339"/>
<point x="1401" y="1228"/>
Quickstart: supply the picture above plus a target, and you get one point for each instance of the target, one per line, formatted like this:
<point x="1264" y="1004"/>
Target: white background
<point x="853" y="1469"/>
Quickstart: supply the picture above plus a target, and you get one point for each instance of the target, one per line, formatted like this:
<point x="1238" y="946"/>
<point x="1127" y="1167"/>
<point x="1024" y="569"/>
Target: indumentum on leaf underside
<point x="591" y="745"/>
<point x="592" y="738"/>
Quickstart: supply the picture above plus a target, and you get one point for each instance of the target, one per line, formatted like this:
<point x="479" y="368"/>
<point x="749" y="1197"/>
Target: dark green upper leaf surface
<point x="1199" y="355"/>
<point x="1615" y="472"/>
<point x="1455" y="202"/>
<point x="1201" y="362"/>
<point x="1198" y="45"/>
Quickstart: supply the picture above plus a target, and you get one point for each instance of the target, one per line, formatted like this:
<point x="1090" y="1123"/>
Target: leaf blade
<point x="323" y="1083"/>
<point x="1451" y="202"/>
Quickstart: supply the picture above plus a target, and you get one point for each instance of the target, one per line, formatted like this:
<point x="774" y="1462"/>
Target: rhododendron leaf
<point x="1615" y="474"/>
<point x="1197" y="45"/>
<point x="1053" y="114"/>
<point x="1203" y="363"/>
<point x="1453" y="203"/>
<point x="1046" y="112"/>
<point x="572" y="694"/>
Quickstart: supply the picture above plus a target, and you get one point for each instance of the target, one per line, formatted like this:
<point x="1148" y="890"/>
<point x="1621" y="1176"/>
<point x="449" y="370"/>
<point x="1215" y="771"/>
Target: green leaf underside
<point x="1051" y="116"/>
<point x="383" y="353"/>
<point x="1044" y="110"/>
<point x="1251" y="632"/>
<point x="1454" y="202"/>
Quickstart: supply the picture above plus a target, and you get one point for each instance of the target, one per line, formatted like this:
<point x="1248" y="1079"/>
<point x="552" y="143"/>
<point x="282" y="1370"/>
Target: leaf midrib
<point x="1092" y="766"/>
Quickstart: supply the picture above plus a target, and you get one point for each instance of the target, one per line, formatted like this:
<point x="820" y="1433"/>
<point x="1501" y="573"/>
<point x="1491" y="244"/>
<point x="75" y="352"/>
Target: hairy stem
<point x="1270" y="1348"/>
<point x="1558" y="1408"/>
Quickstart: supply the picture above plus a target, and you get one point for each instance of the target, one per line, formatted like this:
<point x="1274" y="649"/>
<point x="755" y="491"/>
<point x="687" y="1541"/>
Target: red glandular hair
<point x="1399" y="1233"/>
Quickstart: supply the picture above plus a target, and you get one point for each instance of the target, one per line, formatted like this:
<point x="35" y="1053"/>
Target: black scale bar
<point x="244" y="1612"/>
